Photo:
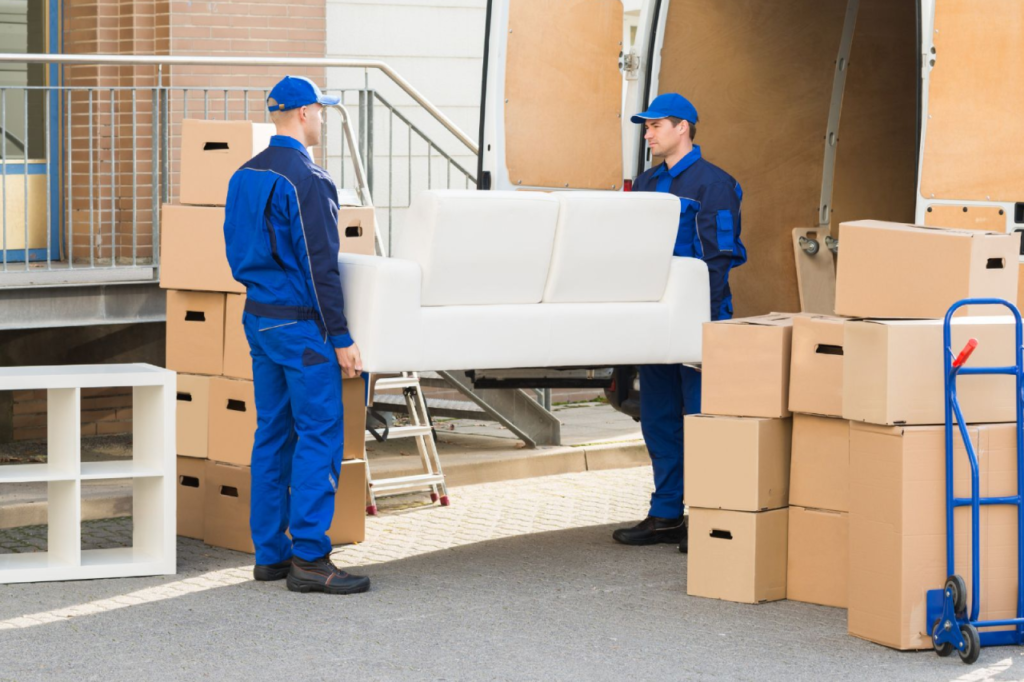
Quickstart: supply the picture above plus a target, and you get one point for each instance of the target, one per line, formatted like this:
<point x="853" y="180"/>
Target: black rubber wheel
<point x="941" y="649"/>
<point x="957" y="588"/>
<point x="972" y="644"/>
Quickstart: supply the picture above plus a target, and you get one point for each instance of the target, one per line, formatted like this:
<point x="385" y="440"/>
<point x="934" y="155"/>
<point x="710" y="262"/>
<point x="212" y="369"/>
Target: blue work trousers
<point x="296" y="457"/>
<point x="667" y="392"/>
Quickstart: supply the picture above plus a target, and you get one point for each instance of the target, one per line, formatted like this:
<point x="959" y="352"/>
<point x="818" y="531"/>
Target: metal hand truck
<point x="948" y="621"/>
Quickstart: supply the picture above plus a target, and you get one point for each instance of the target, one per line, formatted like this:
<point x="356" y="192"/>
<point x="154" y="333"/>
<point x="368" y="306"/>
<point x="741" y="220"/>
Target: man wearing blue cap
<point x="709" y="228"/>
<point x="281" y="234"/>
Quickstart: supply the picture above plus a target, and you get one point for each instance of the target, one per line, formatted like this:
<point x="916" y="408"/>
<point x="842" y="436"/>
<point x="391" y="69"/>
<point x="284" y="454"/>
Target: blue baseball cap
<point x="293" y="92"/>
<point x="669" y="104"/>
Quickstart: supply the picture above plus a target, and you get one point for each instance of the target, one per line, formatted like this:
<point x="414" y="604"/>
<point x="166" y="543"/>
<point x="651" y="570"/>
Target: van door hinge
<point x="629" y="64"/>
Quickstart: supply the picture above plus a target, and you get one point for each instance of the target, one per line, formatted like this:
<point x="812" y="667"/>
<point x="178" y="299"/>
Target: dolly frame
<point x="947" y="620"/>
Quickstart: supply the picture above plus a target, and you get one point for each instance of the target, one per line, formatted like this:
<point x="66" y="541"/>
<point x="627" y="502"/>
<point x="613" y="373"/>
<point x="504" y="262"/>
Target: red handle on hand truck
<point x="965" y="353"/>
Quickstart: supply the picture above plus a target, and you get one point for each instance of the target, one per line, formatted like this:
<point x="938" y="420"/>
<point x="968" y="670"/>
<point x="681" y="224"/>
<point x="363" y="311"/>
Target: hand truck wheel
<point x="972" y="644"/>
<point x="944" y="649"/>
<point x="956" y="588"/>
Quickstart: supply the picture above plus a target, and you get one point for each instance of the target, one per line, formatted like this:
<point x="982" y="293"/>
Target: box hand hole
<point x="721" y="534"/>
<point x="228" y="491"/>
<point x="827" y="349"/>
<point x="195" y="316"/>
<point x="354" y="231"/>
<point x="995" y="264"/>
<point x="236" y="405"/>
<point x="185" y="397"/>
<point x="189" y="481"/>
<point x="215" y="147"/>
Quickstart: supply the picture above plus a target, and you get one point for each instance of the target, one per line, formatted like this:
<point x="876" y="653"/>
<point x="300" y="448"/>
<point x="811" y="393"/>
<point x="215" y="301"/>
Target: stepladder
<point x="419" y="428"/>
<point x="421" y="431"/>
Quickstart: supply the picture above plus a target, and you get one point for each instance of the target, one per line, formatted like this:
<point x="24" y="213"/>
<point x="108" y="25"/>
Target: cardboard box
<point x="211" y="152"/>
<point x="193" y="420"/>
<point x="228" y="502"/>
<point x="353" y="398"/>
<point x="737" y="463"/>
<point x="898" y="527"/>
<point x="892" y="270"/>
<point x="816" y="366"/>
<point x="195" y="332"/>
<point x="819" y="563"/>
<point x="191" y="497"/>
<point x="237" y="360"/>
<point x="232" y="420"/>
<point x="820" y="470"/>
<point x="737" y="556"/>
<point x="192" y="252"/>
<point x="356" y="228"/>
<point x="349" y="524"/>
<point x="746" y="366"/>
<point x="892" y="371"/>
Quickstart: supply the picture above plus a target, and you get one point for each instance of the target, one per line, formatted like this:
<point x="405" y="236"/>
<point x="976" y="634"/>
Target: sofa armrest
<point x="688" y="295"/>
<point x="382" y="304"/>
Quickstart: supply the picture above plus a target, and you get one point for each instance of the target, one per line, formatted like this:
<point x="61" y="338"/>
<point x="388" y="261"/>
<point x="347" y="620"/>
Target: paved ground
<point x="517" y="581"/>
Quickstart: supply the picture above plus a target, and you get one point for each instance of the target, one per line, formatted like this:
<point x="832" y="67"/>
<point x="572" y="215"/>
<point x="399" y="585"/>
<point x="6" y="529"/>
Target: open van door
<point x="972" y="152"/>
<point x="552" y="97"/>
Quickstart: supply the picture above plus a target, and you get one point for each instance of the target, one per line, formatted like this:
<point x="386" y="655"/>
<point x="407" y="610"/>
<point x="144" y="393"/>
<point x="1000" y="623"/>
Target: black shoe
<point x="277" y="571"/>
<point x="684" y="541"/>
<point x="322" y="575"/>
<point x="651" y="531"/>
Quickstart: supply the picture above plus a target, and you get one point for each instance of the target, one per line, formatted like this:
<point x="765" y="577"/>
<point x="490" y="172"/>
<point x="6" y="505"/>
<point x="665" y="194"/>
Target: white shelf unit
<point x="152" y="470"/>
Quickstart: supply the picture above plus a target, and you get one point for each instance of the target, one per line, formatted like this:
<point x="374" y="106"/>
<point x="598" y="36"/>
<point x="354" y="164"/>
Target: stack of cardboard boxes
<point x="737" y="462"/>
<point x="899" y="282"/>
<point x="866" y="477"/>
<point x="206" y="345"/>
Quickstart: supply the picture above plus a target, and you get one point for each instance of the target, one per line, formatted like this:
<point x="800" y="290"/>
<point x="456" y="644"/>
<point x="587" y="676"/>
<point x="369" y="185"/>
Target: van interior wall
<point x="876" y="158"/>
<point x="761" y="74"/>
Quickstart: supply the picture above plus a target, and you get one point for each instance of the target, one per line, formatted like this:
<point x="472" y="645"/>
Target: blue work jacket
<point x="709" y="219"/>
<point x="281" y="235"/>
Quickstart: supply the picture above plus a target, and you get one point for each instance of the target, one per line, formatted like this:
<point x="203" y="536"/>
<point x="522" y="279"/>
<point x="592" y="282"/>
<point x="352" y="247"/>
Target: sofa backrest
<point x="479" y="248"/>
<point x="612" y="247"/>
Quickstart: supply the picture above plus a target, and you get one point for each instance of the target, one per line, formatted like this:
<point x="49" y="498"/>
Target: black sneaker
<point x="277" y="571"/>
<point x="651" y="531"/>
<point x="321" y="575"/>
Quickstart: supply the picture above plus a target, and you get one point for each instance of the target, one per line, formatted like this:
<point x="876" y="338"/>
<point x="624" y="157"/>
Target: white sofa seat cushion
<point x="612" y="247"/>
<point x="396" y="334"/>
<point x="479" y="248"/>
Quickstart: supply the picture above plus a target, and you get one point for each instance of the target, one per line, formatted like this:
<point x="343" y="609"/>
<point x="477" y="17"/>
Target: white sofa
<point x="501" y="280"/>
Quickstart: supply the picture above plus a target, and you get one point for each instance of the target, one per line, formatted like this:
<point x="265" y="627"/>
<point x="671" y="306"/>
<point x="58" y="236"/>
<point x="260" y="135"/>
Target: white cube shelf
<point x="152" y="470"/>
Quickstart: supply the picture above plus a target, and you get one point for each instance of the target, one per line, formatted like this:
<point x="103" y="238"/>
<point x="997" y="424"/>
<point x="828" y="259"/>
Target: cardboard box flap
<point x="770" y="320"/>
<point x="907" y="227"/>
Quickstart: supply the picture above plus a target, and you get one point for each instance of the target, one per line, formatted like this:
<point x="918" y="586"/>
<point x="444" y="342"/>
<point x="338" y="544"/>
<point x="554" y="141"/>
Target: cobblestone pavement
<point x="517" y="580"/>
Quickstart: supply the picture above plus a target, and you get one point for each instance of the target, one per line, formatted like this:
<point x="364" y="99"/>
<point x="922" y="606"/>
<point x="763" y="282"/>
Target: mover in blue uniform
<point x="709" y="228"/>
<point x="281" y="234"/>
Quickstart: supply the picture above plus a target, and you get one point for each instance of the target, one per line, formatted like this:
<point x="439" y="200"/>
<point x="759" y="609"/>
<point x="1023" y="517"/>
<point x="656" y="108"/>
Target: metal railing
<point x="111" y="158"/>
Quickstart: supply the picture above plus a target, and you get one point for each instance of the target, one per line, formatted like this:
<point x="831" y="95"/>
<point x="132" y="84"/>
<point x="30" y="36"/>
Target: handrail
<point x="155" y="60"/>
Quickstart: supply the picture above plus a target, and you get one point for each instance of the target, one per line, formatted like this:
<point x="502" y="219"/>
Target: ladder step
<point x="396" y="382"/>
<point x="405" y="432"/>
<point x="458" y="409"/>
<point x="407" y="481"/>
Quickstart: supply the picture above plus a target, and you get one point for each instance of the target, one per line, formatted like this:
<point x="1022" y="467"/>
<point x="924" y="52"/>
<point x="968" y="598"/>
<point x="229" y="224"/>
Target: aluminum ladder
<point x="421" y="429"/>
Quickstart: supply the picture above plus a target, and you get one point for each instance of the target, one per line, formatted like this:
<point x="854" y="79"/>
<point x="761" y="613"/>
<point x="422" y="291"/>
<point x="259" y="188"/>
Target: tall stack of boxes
<point x="819" y="473"/>
<point x="738" y="460"/>
<point x="866" y="460"/>
<point x="899" y="281"/>
<point x="206" y="345"/>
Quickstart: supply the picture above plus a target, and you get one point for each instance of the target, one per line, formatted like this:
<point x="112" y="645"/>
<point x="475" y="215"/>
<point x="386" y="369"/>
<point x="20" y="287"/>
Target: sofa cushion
<point x="612" y="247"/>
<point x="479" y="248"/>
